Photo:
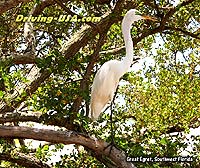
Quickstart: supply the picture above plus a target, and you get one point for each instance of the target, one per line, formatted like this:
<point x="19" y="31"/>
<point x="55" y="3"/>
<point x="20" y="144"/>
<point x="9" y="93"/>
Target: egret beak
<point x="149" y="18"/>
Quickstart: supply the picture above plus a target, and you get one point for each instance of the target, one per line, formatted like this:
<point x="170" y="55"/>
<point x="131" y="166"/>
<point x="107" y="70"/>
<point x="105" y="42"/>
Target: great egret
<point x="107" y="78"/>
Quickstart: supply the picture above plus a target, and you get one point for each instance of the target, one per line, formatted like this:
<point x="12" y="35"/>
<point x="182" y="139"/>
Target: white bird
<point x="107" y="78"/>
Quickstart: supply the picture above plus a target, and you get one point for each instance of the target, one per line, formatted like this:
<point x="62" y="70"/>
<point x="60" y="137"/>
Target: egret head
<point x="134" y="15"/>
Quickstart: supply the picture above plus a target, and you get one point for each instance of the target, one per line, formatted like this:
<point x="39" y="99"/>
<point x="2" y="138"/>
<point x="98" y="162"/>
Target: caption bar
<point x="159" y="159"/>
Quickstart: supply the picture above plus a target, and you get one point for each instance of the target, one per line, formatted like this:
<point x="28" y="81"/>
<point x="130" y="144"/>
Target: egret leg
<point x="111" y="121"/>
<point x="111" y="124"/>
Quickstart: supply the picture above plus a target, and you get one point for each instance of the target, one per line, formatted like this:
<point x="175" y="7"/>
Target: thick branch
<point x="23" y="160"/>
<point x="21" y="58"/>
<point x="19" y="118"/>
<point x="45" y="119"/>
<point x="68" y="137"/>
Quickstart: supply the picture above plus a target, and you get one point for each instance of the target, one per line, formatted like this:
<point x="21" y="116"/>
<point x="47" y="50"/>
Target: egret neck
<point x="127" y="60"/>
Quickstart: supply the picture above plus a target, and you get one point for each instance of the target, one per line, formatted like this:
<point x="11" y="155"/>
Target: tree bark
<point x="23" y="160"/>
<point x="118" y="157"/>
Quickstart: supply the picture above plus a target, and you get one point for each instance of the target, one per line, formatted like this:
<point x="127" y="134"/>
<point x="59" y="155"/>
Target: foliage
<point x="155" y="107"/>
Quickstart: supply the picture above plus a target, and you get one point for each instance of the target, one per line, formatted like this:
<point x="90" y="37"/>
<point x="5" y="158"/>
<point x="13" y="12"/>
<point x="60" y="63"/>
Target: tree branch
<point x="44" y="118"/>
<point x="19" y="118"/>
<point x="68" y="137"/>
<point x="23" y="160"/>
<point x="173" y="10"/>
<point x="72" y="13"/>
<point x="41" y="6"/>
<point x="183" y="31"/>
<point x="113" y="51"/>
<point x="21" y="58"/>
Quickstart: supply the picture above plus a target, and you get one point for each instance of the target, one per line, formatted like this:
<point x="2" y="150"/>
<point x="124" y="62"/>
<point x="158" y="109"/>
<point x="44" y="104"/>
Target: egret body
<point x="108" y="76"/>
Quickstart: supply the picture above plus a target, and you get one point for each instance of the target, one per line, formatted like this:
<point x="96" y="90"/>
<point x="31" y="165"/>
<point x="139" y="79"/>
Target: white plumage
<point x="107" y="78"/>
